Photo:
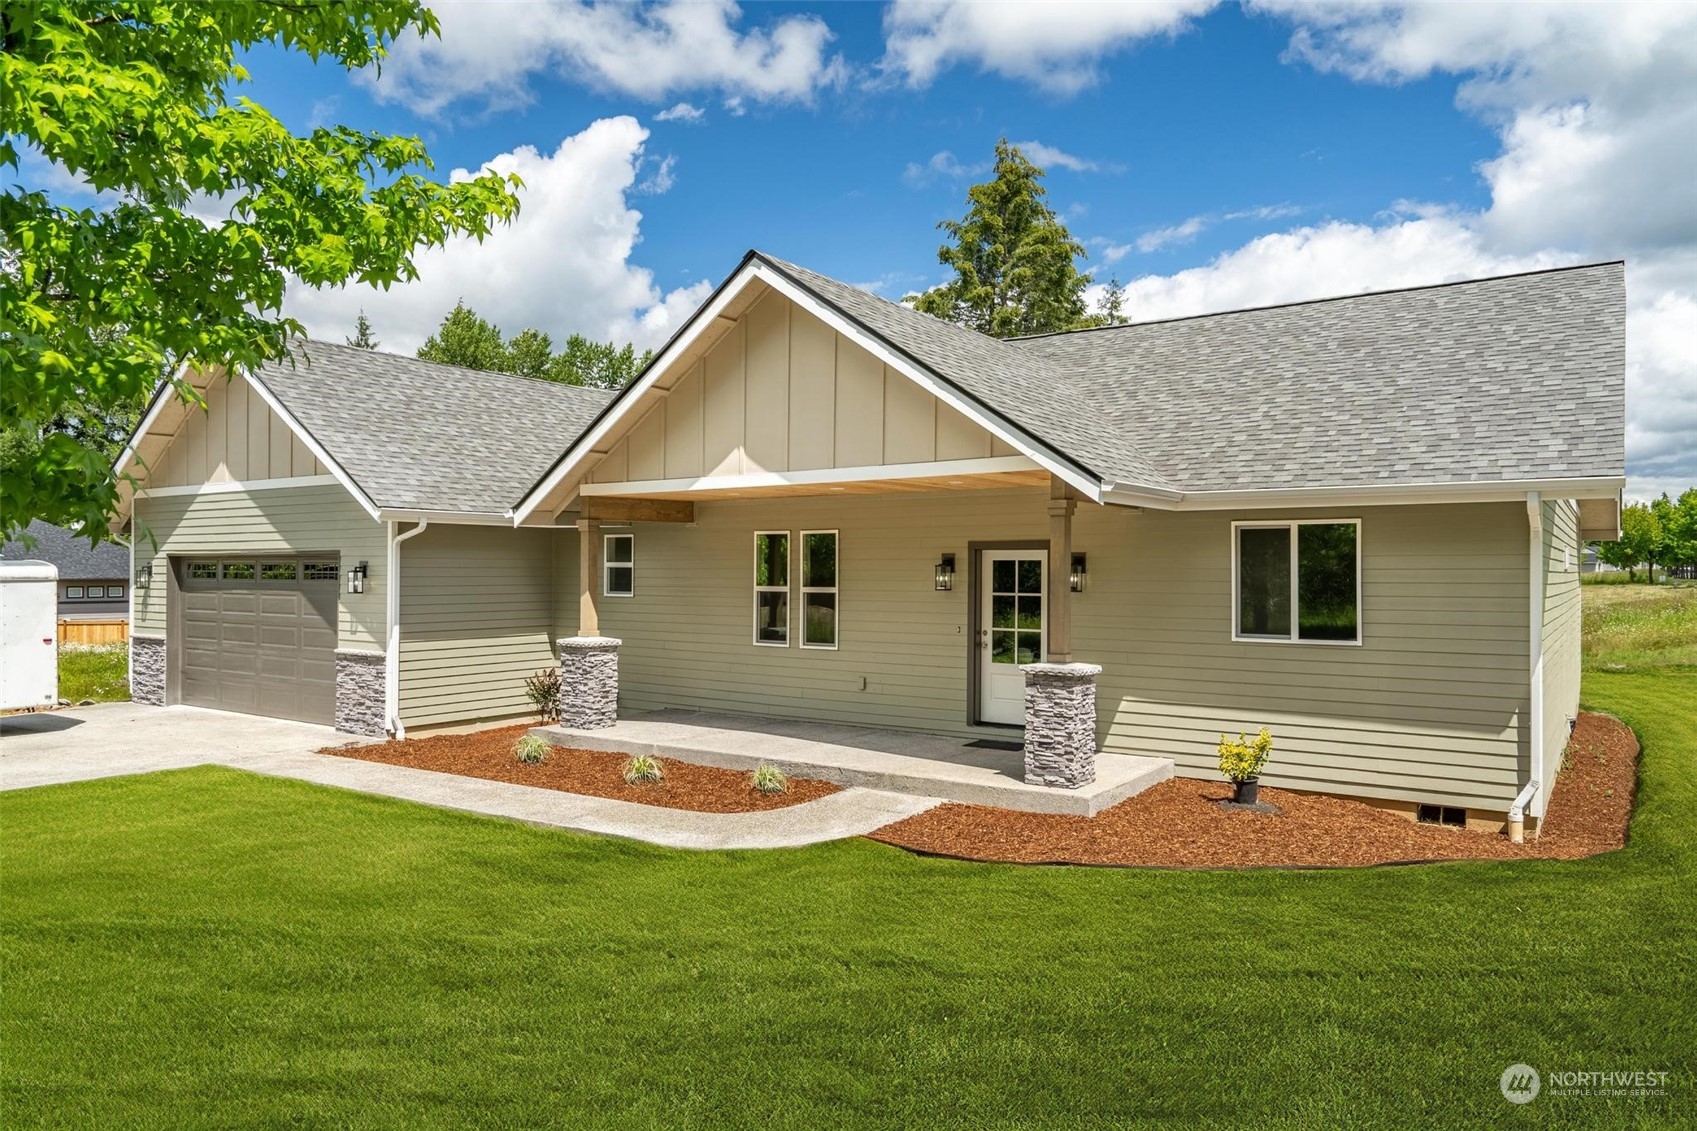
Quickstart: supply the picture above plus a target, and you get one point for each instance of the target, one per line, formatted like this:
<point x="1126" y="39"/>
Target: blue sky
<point x="1211" y="155"/>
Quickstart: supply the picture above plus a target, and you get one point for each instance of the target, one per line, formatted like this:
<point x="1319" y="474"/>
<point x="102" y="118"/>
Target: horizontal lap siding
<point x="294" y="520"/>
<point x="1561" y="634"/>
<point x="477" y="615"/>
<point x="1427" y="708"/>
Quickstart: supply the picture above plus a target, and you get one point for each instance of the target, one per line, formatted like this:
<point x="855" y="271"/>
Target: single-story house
<point x="94" y="579"/>
<point x="1355" y="521"/>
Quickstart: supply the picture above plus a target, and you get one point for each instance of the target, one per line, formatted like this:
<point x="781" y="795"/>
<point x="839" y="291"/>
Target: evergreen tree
<point x="1014" y="261"/>
<point x="466" y="340"/>
<point x="1113" y="304"/>
<point x="362" y="334"/>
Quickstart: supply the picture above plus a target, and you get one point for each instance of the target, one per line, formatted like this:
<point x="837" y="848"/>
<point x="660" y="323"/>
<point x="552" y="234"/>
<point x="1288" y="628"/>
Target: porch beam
<point x="610" y="509"/>
<point x="1062" y="504"/>
<point x="588" y="564"/>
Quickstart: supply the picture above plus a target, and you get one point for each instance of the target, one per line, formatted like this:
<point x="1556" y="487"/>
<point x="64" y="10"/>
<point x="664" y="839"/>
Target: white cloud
<point x="562" y="266"/>
<point x="1167" y="237"/>
<point x="682" y="112"/>
<point x="487" y="53"/>
<point x="942" y="166"/>
<point x="661" y="179"/>
<point x="1057" y="44"/>
<point x="1048" y="157"/>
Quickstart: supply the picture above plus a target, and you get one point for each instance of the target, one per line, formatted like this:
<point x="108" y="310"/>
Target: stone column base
<point x="360" y="680"/>
<point x="147" y="670"/>
<point x="1060" y="724"/>
<point x="589" y="682"/>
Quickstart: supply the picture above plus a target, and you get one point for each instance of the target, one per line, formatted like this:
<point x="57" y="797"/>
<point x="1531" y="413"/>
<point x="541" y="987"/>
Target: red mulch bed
<point x="489" y="754"/>
<point x="1179" y="823"/>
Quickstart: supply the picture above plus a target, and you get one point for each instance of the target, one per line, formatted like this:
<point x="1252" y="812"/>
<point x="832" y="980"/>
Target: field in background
<point x="1638" y="627"/>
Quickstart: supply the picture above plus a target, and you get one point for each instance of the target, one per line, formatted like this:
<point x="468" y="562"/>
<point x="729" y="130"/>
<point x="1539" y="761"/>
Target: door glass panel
<point x="1030" y="647"/>
<point x="1002" y="647"/>
<point x="1002" y="576"/>
<point x="1031" y="612"/>
<point x="1001" y="611"/>
<point x="1031" y="575"/>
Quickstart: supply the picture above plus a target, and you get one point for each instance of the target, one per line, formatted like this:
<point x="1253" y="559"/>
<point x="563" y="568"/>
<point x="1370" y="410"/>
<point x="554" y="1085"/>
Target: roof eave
<point x="1370" y="494"/>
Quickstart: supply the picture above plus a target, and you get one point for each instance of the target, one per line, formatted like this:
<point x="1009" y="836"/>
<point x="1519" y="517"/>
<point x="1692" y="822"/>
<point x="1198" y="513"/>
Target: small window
<point x="239" y="571"/>
<point x="96" y="592"/>
<point x="1298" y="581"/>
<point x="203" y="571"/>
<point x="818" y="588"/>
<point x="278" y="571"/>
<point x="320" y="571"/>
<point x="772" y="588"/>
<point x="618" y="565"/>
<point x="114" y="591"/>
<point x="73" y="593"/>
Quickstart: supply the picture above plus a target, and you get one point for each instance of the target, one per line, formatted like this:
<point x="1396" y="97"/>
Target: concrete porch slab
<point x="923" y="765"/>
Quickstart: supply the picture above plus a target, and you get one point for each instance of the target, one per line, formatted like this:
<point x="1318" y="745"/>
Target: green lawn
<point x="100" y="673"/>
<point x="210" y="948"/>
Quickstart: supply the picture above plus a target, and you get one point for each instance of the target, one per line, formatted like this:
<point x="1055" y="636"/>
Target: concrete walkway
<point x="113" y="739"/>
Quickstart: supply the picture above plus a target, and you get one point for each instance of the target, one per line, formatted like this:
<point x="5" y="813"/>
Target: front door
<point x="1010" y="629"/>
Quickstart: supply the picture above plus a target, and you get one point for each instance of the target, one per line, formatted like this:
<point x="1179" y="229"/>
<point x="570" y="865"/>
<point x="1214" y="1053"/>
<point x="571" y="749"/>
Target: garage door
<point x="259" y="635"/>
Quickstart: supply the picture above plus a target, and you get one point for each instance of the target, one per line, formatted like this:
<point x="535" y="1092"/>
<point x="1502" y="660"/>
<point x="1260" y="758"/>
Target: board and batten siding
<point x="237" y="439"/>
<point x="782" y="391"/>
<point x="1428" y="709"/>
<point x="322" y="518"/>
<point x="1561" y="634"/>
<point x="477" y="618"/>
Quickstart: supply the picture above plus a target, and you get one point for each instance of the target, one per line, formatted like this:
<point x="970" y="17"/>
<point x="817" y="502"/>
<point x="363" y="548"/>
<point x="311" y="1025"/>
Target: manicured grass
<point x="210" y="948"/>
<point x="100" y="672"/>
<point x="1638" y="627"/>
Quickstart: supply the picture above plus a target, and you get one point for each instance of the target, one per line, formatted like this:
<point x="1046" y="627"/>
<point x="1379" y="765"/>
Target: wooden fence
<point x="94" y="631"/>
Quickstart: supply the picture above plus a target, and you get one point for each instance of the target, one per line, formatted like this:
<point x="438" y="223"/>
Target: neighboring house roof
<point x="1512" y="378"/>
<point x="76" y="558"/>
<point x="420" y="436"/>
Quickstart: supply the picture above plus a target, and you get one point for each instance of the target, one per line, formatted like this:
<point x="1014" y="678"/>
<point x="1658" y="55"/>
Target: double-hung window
<point x="618" y="565"/>
<point x="772" y="588"/>
<point x="818" y="588"/>
<point x="1297" y="581"/>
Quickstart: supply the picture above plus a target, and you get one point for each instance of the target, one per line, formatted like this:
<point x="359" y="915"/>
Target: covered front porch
<point x="974" y="772"/>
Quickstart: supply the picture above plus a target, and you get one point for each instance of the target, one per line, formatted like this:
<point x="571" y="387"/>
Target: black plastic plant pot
<point x="1247" y="791"/>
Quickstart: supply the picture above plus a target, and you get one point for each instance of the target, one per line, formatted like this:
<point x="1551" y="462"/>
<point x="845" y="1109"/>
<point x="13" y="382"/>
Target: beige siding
<point x="781" y="391"/>
<point x="477" y="615"/>
<point x="237" y="439"/>
<point x="321" y="519"/>
<point x="1428" y="709"/>
<point x="1561" y="633"/>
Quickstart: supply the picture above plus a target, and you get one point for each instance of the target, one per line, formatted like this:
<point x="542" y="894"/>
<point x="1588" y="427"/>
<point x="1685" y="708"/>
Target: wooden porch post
<point x="1059" y="582"/>
<point x="588" y="563"/>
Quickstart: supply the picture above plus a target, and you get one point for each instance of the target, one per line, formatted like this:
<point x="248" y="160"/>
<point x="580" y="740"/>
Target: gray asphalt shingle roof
<point x="77" y="559"/>
<point x="417" y="435"/>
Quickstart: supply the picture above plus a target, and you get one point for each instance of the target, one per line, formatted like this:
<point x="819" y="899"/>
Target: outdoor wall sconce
<point x="945" y="573"/>
<point x="144" y="577"/>
<point x="1078" y="573"/>
<point x="356" y="578"/>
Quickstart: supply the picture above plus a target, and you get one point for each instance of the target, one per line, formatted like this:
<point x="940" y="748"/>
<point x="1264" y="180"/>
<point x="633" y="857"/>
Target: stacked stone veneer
<point x="589" y="682"/>
<point x="1060" y="724"/>
<point x="147" y="670"/>
<point x="360" y="678"/>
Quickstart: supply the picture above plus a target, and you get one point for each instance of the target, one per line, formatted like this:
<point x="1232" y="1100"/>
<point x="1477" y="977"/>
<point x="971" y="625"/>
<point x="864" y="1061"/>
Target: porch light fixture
<point x="945" y="573"/>
<point x="144" y="576"/>
<point x="356" y="578"/>
<point x="1078" y="572"/>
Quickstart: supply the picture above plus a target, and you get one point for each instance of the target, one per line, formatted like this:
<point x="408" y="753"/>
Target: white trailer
<point x="29" y="634"/>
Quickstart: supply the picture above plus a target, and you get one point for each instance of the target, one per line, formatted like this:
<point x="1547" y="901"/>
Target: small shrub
<point x="531" y="750"/>
<point x="543" y="691"/>
<point x="643" y="769"/>
<point x="1243" y="759"/>
<point x="767" y="778"/>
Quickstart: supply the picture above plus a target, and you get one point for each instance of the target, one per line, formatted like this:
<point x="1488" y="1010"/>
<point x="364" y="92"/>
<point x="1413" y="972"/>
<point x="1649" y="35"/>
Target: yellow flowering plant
<point x="1242" y="759"/>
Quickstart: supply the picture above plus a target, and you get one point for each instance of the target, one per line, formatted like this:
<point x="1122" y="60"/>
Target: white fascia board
<point x="160" y="399"/>
<point x="233" y="485"/>
<point x="312" y="445"/>
<point x="705" y="484"/>
<point x="1501" y="491"/>
<point x="449" y="518"/>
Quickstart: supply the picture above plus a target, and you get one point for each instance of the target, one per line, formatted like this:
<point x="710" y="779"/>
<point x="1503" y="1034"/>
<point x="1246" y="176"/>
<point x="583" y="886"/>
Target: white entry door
<point x="1011" y="631"/>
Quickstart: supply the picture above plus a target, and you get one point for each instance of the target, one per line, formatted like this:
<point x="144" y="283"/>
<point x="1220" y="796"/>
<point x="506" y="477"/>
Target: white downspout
<point x="392" y="655"/>
<point x="1535" y="520"/>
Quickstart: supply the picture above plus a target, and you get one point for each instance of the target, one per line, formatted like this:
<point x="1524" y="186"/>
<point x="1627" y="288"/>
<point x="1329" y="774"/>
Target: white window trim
<point x="836" y="608"/>
<point x="754" y="602"/>
<point x="75" y="593"/>
<point x="122" y="591"/>
<point x="607" y="565"/>
<point x="1295" y="611"/>
<point x="91" y="594"/>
